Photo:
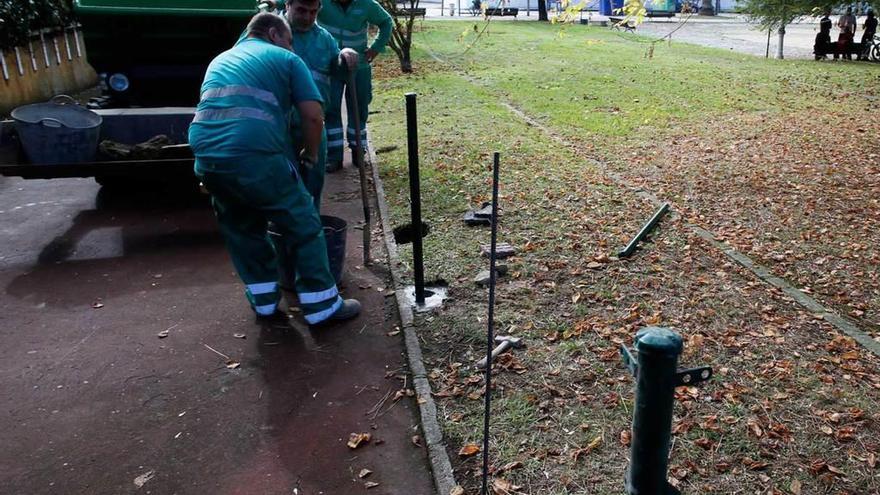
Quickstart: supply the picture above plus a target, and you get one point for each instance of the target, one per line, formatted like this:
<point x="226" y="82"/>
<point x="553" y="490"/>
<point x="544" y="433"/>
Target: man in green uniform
<point x="321" y="53"/>
<point x="349" y="21"/>
<point x="241" y="141"/>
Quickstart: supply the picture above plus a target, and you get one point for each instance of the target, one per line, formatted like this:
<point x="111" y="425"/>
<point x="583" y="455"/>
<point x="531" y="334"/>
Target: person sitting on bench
<point x="822" y="46"/>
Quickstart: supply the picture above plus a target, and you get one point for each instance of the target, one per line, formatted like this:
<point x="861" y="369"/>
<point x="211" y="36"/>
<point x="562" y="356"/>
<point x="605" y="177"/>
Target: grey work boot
<point x="350" y="308"/>
<point x="334" y="166"/>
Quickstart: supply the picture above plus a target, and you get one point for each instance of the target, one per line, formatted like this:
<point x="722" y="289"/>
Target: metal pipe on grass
<point x="631" y="247"/>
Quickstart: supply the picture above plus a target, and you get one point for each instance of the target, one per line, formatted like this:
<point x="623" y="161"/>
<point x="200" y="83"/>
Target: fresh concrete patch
<point x="441" y="467"/>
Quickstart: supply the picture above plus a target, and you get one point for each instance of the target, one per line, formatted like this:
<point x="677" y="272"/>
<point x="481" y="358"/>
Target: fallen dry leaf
<point x="458" y="490"/>
<point x="503" y="487"/>
<point x="239" y="335"/>
<point x="625" y="438"/>
<point x="356" y="439"/>
<point x="416" y="440"/>
<point x="232" y="364"/>
<point x="509" y="466"/>
<point x="144" y="478"/>
<point x="795" y="487"/>
<point x="364" y="473"/>
<point x="469" y="450"/>
<point x="593" y="445"/>
<point x="162" y="334"/>
<point x="404" y="392"/>
<point x="97" y="304"/>
<point x="371" y="484"/>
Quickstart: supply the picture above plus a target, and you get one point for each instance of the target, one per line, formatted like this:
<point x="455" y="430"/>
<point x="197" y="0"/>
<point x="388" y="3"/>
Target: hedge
<point x="19" y="18"/>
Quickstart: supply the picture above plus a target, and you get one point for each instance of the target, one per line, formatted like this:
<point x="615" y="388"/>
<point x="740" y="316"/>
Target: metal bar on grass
<point x="631" y="247"/>
<point x="490" y="337"/>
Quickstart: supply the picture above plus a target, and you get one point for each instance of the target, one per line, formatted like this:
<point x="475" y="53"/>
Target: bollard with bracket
<point x="655" y="368"/>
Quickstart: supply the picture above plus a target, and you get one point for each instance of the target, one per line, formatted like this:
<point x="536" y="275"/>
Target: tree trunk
<point x="781" y="39"/>
<point x="706" y="8"/>
<point x="406" y="62"/>
<point x="542" y="10"/>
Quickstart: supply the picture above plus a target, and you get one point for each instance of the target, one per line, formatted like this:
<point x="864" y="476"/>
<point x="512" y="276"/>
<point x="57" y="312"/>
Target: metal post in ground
<point x="657" y="375"/>
<point x="415" y="197"/>
<point x="490" y="337"/>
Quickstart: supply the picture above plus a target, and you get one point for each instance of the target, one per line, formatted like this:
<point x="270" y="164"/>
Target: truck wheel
<point x="112" y="182"/>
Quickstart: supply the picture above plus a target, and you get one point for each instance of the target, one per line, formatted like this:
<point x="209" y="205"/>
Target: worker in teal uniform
<point x="321" y="53"/>
<point x="349" y="22"/>
<point x="241" y="141"/>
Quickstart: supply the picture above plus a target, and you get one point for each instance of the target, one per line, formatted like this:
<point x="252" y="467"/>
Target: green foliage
<point x="775" y="14"/>
<point x="18" y="18"/>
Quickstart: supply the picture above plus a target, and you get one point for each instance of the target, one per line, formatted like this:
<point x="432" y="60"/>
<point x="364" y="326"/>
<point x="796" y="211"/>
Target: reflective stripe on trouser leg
<point x="257" y="190"/>
<point x="263" y="296"/>
<point x="364" y="81"/>
<point x="333" y="122"/>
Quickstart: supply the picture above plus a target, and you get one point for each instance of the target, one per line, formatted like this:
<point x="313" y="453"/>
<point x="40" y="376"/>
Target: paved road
<point x="733" y="33"/>
<point x="727" y="31"/>
<point x="93" y="401"/>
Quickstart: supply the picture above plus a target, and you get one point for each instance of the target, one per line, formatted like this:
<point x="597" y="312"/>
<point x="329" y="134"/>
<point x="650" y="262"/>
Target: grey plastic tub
<point x="58" y="131"/>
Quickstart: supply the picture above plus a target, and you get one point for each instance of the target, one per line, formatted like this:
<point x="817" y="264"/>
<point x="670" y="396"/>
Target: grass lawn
<point x="764" y="154"/>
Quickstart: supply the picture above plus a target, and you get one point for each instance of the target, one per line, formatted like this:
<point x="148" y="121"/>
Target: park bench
<point x="821" y="50"/>
<point x="659" y="13"/>
<point x="417" y="12"/>
<point x="505" y="12"/>
<point x="629" y="26"/>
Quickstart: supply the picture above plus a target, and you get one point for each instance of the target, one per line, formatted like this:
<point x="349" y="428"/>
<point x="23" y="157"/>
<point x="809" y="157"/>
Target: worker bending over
<point x="241" y="142"/>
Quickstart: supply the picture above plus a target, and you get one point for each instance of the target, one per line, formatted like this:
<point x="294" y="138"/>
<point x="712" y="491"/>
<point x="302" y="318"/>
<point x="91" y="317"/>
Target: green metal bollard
<point x="657" y="375"/>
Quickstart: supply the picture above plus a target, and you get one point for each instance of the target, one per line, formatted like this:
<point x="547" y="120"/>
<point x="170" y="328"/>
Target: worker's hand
<point x="349" y="57"/>
<point x="371" y="54"/>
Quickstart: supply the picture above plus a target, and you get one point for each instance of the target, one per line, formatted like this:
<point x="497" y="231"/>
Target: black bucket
<point x="335" y="230"/>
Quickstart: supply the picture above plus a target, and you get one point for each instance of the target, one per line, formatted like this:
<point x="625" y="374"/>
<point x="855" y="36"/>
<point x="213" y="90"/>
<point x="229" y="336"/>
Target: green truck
<point x="154" y="52"/>
<point x="151" y="56"/>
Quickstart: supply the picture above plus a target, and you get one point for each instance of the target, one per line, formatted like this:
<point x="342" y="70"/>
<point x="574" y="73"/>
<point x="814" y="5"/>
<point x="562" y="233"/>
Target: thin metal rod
<point x="490" y="337"/>
<point x="631" y="247"/>
<point x="358" y="157"/>
<point x="415" y="196"/>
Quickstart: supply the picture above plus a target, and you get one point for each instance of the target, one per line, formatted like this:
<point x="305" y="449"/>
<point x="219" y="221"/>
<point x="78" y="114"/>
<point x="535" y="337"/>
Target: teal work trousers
<point x="335" y="137"/>
<point x="247" y="194"/>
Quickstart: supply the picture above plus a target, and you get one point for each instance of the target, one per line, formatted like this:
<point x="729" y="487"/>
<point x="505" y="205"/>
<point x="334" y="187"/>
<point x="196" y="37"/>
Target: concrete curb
<point x="441" y="467"/>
